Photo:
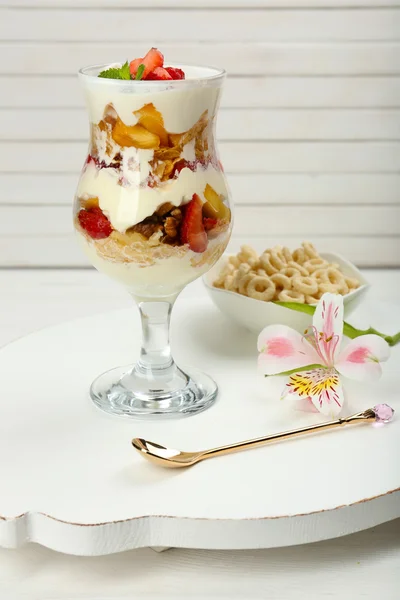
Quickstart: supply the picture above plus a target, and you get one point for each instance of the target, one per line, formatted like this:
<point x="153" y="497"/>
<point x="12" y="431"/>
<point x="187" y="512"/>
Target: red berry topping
<point x="192" y="230"/>
<point x="158" y="74"/>
<point x="153" y="59"/>
<point x="209" y="223"/>
<point x="181" y="164"/>
<point x="175" y="73"/>
<point x="95" y="223"/>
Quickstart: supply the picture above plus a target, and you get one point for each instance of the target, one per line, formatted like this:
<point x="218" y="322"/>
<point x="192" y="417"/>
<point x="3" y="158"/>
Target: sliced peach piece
<point x="214" y="208"/>
<point x="89" y="203"/>
<point x="110" y="114"/>
<point x="152" y="120"/>
<point x="134" y="135"/>
<point x="175" y="139"/>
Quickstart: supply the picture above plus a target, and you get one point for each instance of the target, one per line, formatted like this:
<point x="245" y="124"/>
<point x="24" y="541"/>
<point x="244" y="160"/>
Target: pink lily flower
<point x="314" y="361"/>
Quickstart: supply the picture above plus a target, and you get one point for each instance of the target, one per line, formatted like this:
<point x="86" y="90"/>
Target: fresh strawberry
<point x="192" y="230"/>
<point x="159" y="73"/>
<point x="209" y="223"/>
<point x="175" y="72"/>
<point x="95" y="223"/>
<point x="134" y="65"/>
<point x="153" y="59"/>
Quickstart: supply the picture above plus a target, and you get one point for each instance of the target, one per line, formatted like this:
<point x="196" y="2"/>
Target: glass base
<point x="123" y="392"/>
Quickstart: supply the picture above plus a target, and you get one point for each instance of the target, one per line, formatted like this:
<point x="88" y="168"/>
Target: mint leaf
<point x="125" y="72"/>
<point x="116" y="73"/>
<point x="140" y="71"/>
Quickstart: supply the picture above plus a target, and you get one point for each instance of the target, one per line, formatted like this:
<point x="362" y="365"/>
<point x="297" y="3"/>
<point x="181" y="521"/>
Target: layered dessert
<point x="152" y="207"/>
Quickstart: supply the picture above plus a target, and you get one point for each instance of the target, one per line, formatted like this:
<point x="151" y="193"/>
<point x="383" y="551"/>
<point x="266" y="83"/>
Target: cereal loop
<point x="226" y="270"/>
<point x="310" y="250"/>
<point x="320" y="275"/>
<point x="248" y="255"/>
<point x="229" y="283"/>
<point x="265" y="260"/>
<point x="261" y="288"/>
<point x="336" y="278"/>
<point x="244" y="268"/>
<point x="291" y="296"/>
<point x="290" y="272"/>
<point x="305" y="285"/>
<point x="312" y="299"/>
<point x="323" y="288"/>
<point x="282" y="282"/>
<point x="234" y="261"/>
<point x="299" y="256"/>
<point x="287" y="255"/>
<point x="300" y="268"/>
<point x="277" y="260"/>
<point x="244" y="282"/>
<point x="352" y="283"/>
<point x="315" y="263"/>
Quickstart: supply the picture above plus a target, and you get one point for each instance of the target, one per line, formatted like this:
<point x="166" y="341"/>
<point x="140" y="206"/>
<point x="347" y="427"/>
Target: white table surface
<point x="365" y="565"/>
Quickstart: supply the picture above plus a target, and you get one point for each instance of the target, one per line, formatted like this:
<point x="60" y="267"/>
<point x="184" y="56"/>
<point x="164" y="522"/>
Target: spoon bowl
<point x="165" y="457"/>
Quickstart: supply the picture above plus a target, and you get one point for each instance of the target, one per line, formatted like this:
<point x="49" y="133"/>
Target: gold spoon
<point x="175" y="459"/>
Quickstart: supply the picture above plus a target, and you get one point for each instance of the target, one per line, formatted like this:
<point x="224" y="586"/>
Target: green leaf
<point x="125" y="72"/>
<point x="140" y="71"/>
<point x="348" y="330"/>
<point x="116" y="73"/>
<point x="305" y="308"/>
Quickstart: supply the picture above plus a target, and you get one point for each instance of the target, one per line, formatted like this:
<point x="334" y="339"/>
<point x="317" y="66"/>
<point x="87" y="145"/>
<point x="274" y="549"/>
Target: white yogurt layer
<point x="180" y="108"/>
<point x="128" y="204"/>
<point x="165" y="278"/>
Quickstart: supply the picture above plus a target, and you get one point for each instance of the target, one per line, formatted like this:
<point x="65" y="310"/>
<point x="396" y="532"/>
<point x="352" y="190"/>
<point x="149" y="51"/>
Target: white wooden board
<point x="283" y="4"/>
<point x="273" y="59"/>
<point x="74" y="483"/>
<point x="168" y="26"/>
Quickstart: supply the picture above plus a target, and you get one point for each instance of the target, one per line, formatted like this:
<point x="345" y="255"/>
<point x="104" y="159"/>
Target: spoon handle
<point x="366" y="416"/>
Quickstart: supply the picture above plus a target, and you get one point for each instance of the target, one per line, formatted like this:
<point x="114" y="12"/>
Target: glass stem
<point x="155" y="354"/>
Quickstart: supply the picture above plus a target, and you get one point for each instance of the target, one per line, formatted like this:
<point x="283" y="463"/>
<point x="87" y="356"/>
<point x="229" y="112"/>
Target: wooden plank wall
<point x="309" y="127"/>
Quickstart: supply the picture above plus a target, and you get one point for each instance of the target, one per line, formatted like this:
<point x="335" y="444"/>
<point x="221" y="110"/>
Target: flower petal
<point x="361" y="358"/>
<point x="283" y="349"/>
<point x="321" y="386"/>
<point x="328" y="326"/>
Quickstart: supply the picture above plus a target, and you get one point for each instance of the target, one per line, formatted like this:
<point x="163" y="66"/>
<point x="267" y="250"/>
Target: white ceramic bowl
<point x="256" y="314"/>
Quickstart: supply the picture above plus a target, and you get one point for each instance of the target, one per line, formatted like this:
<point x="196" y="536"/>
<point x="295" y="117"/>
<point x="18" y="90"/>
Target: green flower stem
<point x="307" y="368"/>
<point x="348" y="330"/>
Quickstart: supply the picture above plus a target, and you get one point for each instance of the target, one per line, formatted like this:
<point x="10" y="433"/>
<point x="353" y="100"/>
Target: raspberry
<point x="95" y="223"/>
<point x="175" y="72"/>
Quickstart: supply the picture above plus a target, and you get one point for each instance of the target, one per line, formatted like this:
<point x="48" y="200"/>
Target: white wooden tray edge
<point x="211" y="534"/>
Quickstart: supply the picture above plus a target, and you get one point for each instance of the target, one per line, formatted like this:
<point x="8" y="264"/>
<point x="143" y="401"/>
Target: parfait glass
<point x="152" y="212"/>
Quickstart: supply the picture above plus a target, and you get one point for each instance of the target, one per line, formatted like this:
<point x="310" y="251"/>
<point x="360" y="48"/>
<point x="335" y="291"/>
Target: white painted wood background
<point x="309" y="127"/>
